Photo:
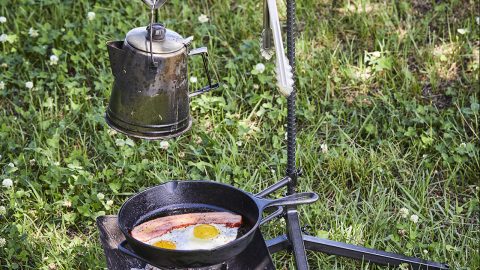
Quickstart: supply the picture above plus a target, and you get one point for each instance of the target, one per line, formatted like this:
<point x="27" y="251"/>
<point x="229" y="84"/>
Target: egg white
<point x="185" y="240"/>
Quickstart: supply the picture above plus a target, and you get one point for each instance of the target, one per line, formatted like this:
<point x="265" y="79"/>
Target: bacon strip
<point x="160" y="226"/>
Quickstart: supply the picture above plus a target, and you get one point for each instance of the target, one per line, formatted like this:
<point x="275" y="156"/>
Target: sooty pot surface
<point x="150" y="97"/>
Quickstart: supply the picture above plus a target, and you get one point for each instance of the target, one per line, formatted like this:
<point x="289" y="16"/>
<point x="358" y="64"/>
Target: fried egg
<point x="199" y="236"/>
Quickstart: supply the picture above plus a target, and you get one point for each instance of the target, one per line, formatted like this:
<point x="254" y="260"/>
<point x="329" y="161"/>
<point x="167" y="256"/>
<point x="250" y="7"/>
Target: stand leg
<point x="354" y="252"/>
<point x="367" y="254"/>
<point x="277" y="244"/>
<point x="296" y="240"/>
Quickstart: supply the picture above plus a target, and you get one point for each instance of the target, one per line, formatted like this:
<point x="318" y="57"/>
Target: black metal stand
<point x="294" y="239"/>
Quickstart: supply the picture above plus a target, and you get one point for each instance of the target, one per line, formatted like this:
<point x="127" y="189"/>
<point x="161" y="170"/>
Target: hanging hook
<point x="152" y="16"/>
<point x="155" y="4"/>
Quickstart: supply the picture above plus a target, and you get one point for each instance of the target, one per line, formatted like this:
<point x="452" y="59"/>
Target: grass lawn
<point x="388" y="118"/>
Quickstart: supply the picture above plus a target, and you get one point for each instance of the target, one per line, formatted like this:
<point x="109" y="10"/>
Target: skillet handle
<point x="273" y="215"/>
<point x="123" y="248"/>
<point x="294" y="199"/>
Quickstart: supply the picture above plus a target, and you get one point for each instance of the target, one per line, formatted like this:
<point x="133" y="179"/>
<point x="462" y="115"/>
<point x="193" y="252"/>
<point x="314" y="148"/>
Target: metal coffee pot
<point x="150" y="97"/>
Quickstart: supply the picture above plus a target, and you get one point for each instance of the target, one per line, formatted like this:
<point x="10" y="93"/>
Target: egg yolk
<point x="165" y="244"/>
<point x="205" y="231"/>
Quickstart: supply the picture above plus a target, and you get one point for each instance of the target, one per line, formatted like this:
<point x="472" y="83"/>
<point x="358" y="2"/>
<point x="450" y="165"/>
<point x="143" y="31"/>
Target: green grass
<point x="390" y="87"/>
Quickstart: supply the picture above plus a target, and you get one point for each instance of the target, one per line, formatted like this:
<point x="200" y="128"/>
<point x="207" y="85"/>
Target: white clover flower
<point x="2" y="85"/>
<point x="3" y="19"/>
<point x="8" y="183"/>
<point x="403" y="212"/>
<point x="203" y="18"/>
<point x="193" y="79"/>
<point x="32" y="32"/>
<point x="239" y="143"/>
<point x="2" y="242"/>
<point x="463" y="31"/>
<point x="414" y="218"/>
<point x="463" y="145"/>
<point x="425" y="251"/>
<point x="256" y="86"/>
<point x="324" y="148"/>
<point x="67" y="203"/>
<point x="112" y="132"/>
<point x="3" y="210"/>
<point x="259" y="68"/>
<point x="100" y="196"/>
<point x="477" y="19"/>
<point x="53" y="59"/>
<point x="363" y="74"/>
<point x="3" y="37"/>
<point x="109" y="202"/>
<point x="164" y="145"/>
<point x="376" y="54"/>
<point x="198" y="140"/>
<point x="4" y="65"/>
<point x="181" y="154"/>
<point x="11" y="165"/>
<point x="29" y="85"/>
<point x="91" y="16"/>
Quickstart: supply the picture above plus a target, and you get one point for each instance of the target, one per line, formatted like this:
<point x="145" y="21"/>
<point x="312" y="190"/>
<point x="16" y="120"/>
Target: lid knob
<point x="158" y="31"/>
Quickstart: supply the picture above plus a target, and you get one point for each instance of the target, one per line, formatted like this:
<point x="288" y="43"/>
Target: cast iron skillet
<point x="189" y="197"/>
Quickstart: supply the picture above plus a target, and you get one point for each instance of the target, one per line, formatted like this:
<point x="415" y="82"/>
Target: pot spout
<point x="117" y="56"/>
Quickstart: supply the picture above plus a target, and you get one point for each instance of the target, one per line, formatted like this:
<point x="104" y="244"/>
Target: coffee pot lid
<point x="164" y="40"/>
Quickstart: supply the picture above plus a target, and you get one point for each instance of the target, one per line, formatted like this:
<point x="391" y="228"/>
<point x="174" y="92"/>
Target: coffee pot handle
<point x="204" y="53"/>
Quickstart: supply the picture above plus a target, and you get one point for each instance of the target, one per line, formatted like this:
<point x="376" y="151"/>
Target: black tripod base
<point x="355" y="252"/>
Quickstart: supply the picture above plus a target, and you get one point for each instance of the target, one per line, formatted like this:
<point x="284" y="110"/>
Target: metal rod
<point x="293" y="222"/>
<point x="367" y="254"/>
<point x="291" y="119"/>
<point x="295" y="238"/>
<point x="269" y="190"/>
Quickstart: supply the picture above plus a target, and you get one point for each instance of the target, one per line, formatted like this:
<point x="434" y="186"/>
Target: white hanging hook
<point x="155" y="4"/>
<point x="284" y="70"/>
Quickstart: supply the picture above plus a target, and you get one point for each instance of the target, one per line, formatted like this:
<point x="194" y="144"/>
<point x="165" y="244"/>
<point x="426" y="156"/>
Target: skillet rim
<point x="252" y="230"/>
